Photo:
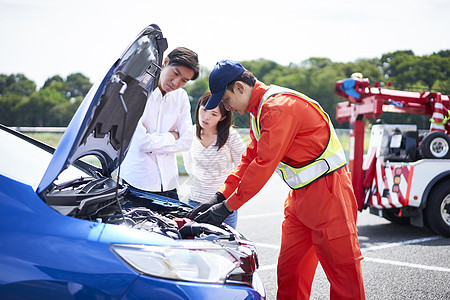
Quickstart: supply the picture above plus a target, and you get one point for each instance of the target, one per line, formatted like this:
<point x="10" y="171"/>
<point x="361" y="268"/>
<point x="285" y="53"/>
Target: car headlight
<point x="189" y="261"/>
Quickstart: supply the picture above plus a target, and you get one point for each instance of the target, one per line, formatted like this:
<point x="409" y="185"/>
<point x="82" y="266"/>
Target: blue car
<point x="70" y="230"/>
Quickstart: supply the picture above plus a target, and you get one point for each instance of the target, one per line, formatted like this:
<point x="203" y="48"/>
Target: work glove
<point x="217" y="198"/>
<point x="215" y="215"/>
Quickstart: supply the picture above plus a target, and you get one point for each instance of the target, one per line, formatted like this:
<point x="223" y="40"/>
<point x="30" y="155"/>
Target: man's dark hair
<point x="185" y="57"/>
<point x="247" y="77"/>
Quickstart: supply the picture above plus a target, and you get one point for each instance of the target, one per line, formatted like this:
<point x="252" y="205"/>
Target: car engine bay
<point x="102" y="200"/>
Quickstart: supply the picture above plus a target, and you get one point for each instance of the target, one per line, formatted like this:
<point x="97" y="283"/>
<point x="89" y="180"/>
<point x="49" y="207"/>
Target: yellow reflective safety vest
<point x="330" y="160"/>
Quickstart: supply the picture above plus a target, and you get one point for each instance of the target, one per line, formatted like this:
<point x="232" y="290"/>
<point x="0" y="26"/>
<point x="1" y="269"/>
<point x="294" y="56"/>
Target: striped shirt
<point x="208" y="168"/>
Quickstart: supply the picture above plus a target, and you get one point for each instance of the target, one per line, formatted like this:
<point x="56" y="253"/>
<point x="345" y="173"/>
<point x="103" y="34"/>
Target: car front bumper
<point x="146" y="288"/>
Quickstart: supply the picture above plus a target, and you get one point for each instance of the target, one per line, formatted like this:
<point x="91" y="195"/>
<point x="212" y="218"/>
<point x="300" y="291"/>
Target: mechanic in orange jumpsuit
<point x="320" y="211"/>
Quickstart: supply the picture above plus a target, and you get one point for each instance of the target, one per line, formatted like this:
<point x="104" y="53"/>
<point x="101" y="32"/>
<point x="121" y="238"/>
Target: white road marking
<point x="372" y="259"/>
<point x="405" y="264"/>
<point x="407" y="242"/>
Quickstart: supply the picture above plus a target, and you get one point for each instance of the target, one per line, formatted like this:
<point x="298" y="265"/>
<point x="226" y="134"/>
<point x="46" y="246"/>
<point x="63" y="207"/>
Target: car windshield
<point x="25" y="162"/>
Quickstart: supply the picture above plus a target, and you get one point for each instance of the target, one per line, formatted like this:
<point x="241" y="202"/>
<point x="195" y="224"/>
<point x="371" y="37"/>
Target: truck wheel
<point x="437" y="210"/>
<point x="435" y="145"/>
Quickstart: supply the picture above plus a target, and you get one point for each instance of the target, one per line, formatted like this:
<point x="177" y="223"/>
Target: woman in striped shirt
<point x="216" y="150"/>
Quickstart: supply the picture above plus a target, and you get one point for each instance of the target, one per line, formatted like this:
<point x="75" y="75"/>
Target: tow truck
<point x="405" y="174"/>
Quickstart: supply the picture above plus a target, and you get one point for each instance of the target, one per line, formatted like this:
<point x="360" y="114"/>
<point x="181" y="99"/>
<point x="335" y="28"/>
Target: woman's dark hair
<point x="185" y="57"/>
<point x="223" y="127"/>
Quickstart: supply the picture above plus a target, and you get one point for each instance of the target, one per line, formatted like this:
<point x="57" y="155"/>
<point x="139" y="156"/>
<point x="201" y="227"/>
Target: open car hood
<point x="106" y="119"/>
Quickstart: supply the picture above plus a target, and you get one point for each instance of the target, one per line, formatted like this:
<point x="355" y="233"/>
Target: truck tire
<point x="437" y="211"/>
<point x="435" y="145"/>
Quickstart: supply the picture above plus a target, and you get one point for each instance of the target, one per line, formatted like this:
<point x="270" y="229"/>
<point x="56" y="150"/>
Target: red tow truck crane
<point x="405" y="174"/>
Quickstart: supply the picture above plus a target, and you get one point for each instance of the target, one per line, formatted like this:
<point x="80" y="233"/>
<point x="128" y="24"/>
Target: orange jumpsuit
<point x="320" y="219"/>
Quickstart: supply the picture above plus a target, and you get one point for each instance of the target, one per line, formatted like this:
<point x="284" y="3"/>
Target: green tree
<point x="370" y="68"/>
<point x="443" y="53"/>
<point x="62" y="113"/>
<point x="36" y="109"/>
<point x="443" y="85"/>
<point x="56" y="101"/>
<point x="430" y="69"/>
<point x="8" y="111"/>
<point x="316" y="63"/>
<point x="405" y="72"/>
<point x="13" y="88"/>
<point x="261" y="67"/>
<point x="76" y="85"/>
<point x="18" y="84"/>
<point x="3" y="79"/>
<point x="391" y="60"/>
<point x="53" y="80"/>
<point x="195" y="90"/>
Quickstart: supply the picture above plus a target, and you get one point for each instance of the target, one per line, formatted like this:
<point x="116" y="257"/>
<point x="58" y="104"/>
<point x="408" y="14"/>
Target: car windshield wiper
<point x="74" y="182"/>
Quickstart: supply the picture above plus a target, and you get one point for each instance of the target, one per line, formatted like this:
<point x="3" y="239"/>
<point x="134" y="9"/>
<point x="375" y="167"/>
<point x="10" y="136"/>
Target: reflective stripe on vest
<point x="330" y="160"/>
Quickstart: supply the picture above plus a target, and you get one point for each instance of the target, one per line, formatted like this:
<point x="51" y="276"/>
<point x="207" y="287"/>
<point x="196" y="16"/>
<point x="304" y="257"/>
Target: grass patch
<point x="50" y="138"/>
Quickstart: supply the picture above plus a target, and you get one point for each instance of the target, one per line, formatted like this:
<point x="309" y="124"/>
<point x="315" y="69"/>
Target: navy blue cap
<point x="223" y="74"/>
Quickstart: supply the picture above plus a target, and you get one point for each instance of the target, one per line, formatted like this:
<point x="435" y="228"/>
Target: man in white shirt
<point x="164" y="129"/>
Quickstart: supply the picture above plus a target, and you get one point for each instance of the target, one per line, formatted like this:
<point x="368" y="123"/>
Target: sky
<point x="43" y="38"/>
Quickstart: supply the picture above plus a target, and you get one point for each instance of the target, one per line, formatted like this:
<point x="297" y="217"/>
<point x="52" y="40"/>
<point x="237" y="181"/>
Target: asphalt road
<point x="400" y="261"/>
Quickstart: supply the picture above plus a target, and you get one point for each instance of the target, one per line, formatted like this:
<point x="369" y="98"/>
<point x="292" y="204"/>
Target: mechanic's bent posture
<point x="292" y="134"/>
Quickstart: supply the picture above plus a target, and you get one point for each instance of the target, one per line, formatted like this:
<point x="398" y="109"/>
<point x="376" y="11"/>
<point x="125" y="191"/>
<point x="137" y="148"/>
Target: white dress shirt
<point x="208" y="168"/>
<point x="150" y="163"/>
